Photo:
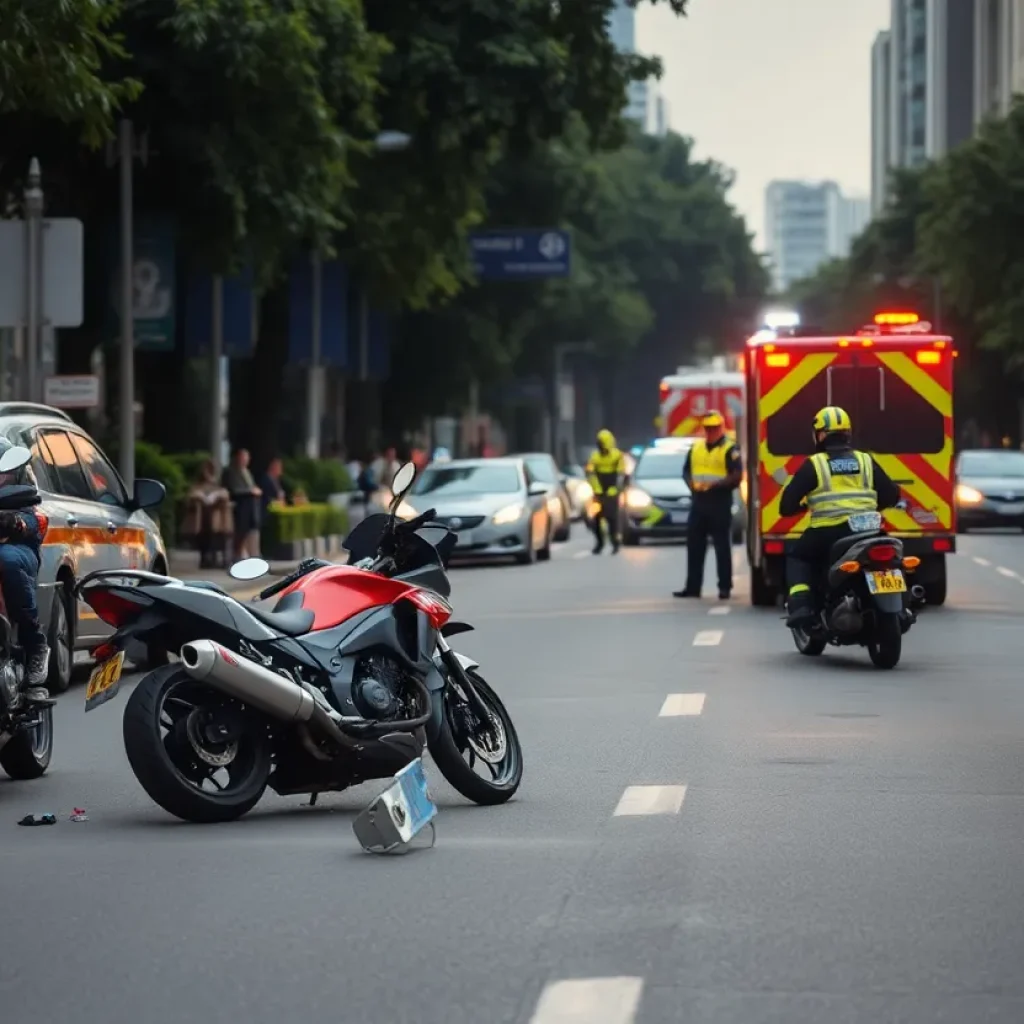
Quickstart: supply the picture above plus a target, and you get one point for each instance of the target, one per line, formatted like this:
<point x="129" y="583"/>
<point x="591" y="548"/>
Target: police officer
<point x="605" y="474"/>
<point x="835" y="483"/>
<point x="713" y="470"/>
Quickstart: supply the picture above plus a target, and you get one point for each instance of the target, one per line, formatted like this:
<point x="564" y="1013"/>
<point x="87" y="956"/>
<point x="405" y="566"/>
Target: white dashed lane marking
<point x="680" y="705"/>
<point x="1003" y="571"/>
<point x="644" y="800"/>
<point x="708" y="638"/>
<point x="581" y="554"/>
<point x="589" y="1001"/>
<point x="719" y="609"/>
<point x="982" y="561"/>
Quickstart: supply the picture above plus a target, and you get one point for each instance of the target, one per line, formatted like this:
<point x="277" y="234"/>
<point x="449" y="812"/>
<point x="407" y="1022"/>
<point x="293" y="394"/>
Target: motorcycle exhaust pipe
<point x="917" y="592"/>
<point x="210" y="663"/>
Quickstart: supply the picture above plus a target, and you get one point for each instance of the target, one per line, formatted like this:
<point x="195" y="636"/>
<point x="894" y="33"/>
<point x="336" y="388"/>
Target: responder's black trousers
<point x="715" y="523"/>
<point x="808" y="555"/>
<point x="609" y="513"/>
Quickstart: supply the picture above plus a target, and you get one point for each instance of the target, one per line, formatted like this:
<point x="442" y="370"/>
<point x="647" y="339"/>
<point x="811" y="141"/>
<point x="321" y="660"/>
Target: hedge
<point x="285" y="524"/>
<point x="319" y="478"/>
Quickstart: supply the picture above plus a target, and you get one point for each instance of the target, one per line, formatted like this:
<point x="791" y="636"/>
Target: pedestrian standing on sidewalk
<point x="245" y="494"/>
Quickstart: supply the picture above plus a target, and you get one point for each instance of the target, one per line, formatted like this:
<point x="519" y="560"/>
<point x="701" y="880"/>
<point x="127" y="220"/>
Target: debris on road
<point x="38" y="819"/>
<point x="392" y="820"/>
<point x="78" y="814"/>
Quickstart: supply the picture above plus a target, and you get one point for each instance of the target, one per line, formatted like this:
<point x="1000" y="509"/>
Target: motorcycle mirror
<point x="247" y="568"/>
<point x="14" y="458"/>
<point x="403" y="480"/>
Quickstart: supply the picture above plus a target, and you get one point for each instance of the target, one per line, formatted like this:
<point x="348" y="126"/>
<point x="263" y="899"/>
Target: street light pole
<point x="314" y="379"/>
<point x="562" y="350"/>
<point x="33" y="278"/>
<point x="127" y="382"/>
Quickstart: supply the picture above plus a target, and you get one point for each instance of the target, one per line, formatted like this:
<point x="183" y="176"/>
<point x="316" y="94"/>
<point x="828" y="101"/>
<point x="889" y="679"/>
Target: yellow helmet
<point x="713" y="419"/>
<point x="831" y="419"/>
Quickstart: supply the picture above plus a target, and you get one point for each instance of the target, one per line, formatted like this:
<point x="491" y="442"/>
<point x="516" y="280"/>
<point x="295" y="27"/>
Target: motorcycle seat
<point x="844" y="544"/>
<point x="286" y="619"/>
<point x="203" y="585"/>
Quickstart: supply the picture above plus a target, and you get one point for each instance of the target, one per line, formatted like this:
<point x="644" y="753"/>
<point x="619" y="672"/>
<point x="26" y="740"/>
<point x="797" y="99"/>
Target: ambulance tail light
<point x="663" y="391"/>
<point x="928" y="357"/>
<point x="942" y="544"/>
<point x="774" y="547"/>
<point x="777" y="360"/>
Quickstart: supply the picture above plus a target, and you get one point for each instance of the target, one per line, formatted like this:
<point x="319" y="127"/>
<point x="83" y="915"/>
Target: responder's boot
<point x="800" y="608"/>
<point x="599" y="545"/>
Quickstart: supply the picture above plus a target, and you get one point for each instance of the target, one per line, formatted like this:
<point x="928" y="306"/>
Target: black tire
<point x="60" y="636"/>
<point x="28" y="754"/>
<point x="158" y="775"/>
<point x="935" y="591"/>
<point x="886" y="646"/>
<point x="762" y="595"/>
<point x="529" y="556"/>
<point x="544" y="555"/>
<point x="564" y="532"/>
<point x="808" y="643"/>
<point x="447" y="755"/>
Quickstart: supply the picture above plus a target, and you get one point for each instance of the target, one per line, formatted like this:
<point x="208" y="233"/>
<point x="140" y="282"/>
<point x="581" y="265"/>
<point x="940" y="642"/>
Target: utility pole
<point x="217" y="374"/>
<point x="315" y="376"/>
<point x="34" y="280"/>
<point x="127" y="382"/>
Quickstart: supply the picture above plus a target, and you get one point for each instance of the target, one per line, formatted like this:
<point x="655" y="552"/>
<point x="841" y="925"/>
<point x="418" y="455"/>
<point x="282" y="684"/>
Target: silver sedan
<point x="491" y="505"/>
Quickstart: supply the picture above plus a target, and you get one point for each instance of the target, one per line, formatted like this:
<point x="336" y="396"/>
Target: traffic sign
<point x="62" y="273"/>
<point x="67" y="391"/>
<point x="521" y="253"/>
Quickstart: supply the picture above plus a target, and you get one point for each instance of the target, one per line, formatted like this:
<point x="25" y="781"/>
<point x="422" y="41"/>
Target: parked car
<point x="657" y="502"/>
<point x="990" y="488"/>
<point x="574" y="477"/>
<point x="494" y="506"/>
<point x="544" y="469"/>
<point x="93" y="524"/>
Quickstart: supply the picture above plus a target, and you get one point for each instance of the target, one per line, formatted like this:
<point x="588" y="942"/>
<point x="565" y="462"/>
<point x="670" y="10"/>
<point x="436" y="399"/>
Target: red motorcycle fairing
<point x="337" y="592"/>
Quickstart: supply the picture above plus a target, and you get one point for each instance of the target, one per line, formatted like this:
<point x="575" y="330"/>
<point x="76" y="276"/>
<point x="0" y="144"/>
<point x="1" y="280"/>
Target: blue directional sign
<point x="239" y="312"/>
<point x="517" y="254"/>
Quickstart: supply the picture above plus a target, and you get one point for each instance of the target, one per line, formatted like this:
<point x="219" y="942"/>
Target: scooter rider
<point x="835" y="483"/>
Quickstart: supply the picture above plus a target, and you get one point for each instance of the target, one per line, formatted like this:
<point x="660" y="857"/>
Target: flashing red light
<point x="663" y="390"/>
<point x="883" y="552"/>
<point x="928" y="357"/>
<point x="942" y="544"/>
<point x="896" y="319"/>
<point x="113" y="608"/>
<point x="437" y="610"/>
<point x="774" y="547"/>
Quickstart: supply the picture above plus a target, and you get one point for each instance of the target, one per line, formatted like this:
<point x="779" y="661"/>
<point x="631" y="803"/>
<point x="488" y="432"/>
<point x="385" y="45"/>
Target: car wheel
<point x="529" y="555"/>
<point x="544" y="555"/>
<point x="61" y="639"/>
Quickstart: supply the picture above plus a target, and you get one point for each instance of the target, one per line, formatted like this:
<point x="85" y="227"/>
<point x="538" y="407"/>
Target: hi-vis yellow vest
<point x="838" y="497"/>
<point x="604" y="471"/>
<point x="708" y="465"/>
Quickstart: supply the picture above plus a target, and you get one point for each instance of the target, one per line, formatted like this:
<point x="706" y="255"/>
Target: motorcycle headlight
<point x="508" y="515"/>
<point x="637" y="500"/>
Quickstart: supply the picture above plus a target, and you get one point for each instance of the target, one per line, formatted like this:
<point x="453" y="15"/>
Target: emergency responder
<point x="835" y="483"/>
<point x="713" y="470"/>
<point x="606" y="471"/>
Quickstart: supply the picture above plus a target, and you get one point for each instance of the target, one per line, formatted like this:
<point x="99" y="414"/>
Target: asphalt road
<point x="828" y="843"/>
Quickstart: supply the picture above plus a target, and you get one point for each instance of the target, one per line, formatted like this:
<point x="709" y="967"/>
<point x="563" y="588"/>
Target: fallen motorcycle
<point x="347" y="679"/>
<point x="861" y="598"/>
<point x="26" y="729"/>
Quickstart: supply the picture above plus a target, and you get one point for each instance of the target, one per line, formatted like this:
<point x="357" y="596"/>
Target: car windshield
<point x="1006" y="464"/>
<point x="655" y="465"/>
<point x="542" y="468"/>
<point x="449" y="481"/>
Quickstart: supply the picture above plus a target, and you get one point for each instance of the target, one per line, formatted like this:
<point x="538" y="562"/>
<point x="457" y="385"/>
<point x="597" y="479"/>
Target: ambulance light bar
<point x="897" y="319"/>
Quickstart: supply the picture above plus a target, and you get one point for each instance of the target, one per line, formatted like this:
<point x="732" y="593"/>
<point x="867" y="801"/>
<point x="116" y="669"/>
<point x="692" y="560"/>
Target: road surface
<point x="711" y="830"/>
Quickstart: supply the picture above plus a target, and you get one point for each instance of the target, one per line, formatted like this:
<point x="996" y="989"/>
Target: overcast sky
<point x="771" y="88"/>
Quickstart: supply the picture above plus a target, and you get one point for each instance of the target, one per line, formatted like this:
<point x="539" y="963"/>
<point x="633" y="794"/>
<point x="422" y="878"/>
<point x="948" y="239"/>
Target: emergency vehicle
<point x="895" y="379"/>
<point x="687" y="396"/>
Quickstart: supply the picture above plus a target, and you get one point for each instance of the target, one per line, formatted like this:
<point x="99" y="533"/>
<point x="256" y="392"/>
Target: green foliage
<point x="319" y="478"/>
<point x="287" y="523"/>
<point x="189" y="463"/>
<point x="54" y="63"/>
<point x="153" y="464"/>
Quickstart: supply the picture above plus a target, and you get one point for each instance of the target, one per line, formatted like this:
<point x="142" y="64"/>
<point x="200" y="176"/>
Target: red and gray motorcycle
<point x="347" y="679"/>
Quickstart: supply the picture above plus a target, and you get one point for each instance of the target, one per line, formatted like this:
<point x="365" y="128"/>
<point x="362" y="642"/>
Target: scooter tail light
<point x="116" y="609"/>
<point x="911" y="562"/>
<point x="882" y="552"/>
<point x="850" y="567"/>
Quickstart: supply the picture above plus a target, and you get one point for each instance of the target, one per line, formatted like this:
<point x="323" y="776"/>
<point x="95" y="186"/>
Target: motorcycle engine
<point x="10" y="684"/>
<point x="381" y="691"/>
<point x="845" y="616"/>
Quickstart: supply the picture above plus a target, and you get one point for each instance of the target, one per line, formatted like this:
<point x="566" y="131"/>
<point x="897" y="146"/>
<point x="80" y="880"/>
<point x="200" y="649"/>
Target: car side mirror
<point x="148" y="493"/>
<point x="538" y="490"/>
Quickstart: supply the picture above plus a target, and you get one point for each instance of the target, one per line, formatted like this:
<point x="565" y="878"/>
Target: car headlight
<point x="406" y="511"/>
<point x="968" y="495"/>
<point x="508" y="514"/>
<point x="637" y="499"/>
<point x="584" y="493"/>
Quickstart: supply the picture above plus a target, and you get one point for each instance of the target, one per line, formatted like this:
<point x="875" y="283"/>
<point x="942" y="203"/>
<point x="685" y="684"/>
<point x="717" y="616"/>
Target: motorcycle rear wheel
<point x="808" y="643"/>
<point x="453" y="747"/>
<point x="27" y="754"/>
<point x="171" y="769"/>
<point x="886" y="644"/>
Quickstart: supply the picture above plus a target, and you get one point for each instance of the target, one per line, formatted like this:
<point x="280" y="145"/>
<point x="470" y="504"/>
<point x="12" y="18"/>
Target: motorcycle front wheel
<point x="462" y="742"/>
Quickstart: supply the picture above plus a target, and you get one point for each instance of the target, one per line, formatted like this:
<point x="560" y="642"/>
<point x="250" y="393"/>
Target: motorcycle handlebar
<point x="304" y="567"/>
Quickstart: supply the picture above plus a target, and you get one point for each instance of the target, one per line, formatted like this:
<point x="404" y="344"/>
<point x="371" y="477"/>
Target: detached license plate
<point x="889" y="581"/>
<point x="415" y="798"/>
<point x="104" y="682"/>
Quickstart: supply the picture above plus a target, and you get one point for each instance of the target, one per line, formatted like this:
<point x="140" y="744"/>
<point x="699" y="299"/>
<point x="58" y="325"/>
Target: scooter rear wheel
<point x="808" y="643"/>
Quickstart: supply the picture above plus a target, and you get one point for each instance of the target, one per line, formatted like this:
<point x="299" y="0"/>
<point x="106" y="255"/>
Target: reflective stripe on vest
<point x="604" y="470"/>
<point x="708" y="465"/>
<point x="838" y="497"/>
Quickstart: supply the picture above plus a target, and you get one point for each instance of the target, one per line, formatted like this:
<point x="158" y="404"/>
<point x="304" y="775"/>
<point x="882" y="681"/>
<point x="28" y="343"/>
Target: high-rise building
<point x="998" y="69"/>
<point x="622" y="30"/>
<point x="807" y="224"/>
<point x="881" y="118"/>
<point x="661" y="123"/>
